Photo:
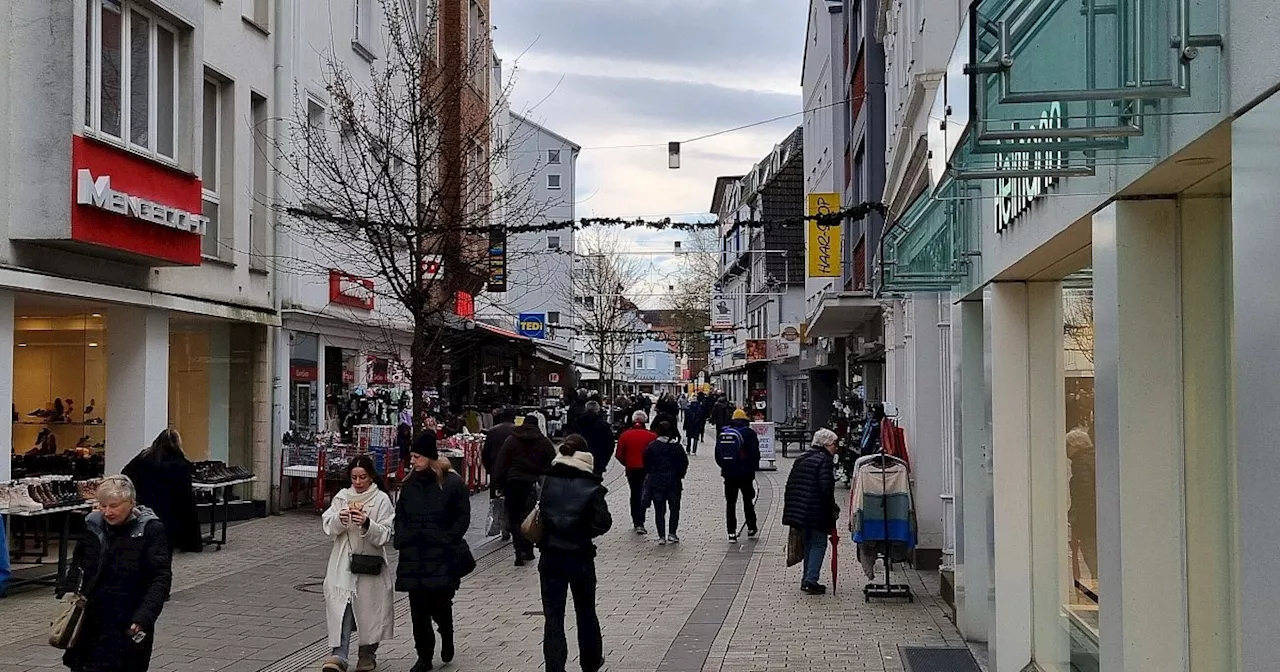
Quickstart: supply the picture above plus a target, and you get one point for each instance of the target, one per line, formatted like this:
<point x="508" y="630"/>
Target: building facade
<point x="1103" y="233"/>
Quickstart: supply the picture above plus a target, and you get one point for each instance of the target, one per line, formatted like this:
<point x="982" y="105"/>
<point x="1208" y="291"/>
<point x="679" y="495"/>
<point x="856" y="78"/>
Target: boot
<point x="446" y="647"/>
<point x="367" y="663"/>
<point x="333" y="664"/>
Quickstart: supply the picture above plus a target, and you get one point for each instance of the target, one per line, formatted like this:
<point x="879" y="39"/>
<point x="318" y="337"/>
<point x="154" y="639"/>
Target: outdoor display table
<point x="42" y="539"/>
<point x="216" y="537"/>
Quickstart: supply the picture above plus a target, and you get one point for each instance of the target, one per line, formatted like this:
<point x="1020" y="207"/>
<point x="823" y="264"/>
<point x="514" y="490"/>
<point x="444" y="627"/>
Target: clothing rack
<point x="888" y="589"/>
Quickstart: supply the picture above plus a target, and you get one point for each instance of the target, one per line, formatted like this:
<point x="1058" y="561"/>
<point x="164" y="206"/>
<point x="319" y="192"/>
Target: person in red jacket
<point x="631" y="446"/>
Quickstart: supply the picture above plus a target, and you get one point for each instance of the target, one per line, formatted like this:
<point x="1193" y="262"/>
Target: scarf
<point x="340" y="582"/>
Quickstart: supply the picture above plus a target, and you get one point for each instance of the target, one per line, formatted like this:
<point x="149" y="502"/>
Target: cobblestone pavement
<point x="701" y="605"/>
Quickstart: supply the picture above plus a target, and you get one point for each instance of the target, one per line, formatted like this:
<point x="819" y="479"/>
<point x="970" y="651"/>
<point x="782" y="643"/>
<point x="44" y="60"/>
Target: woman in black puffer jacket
<point x="810" y="504"/>
<point x="432" y="517"/>
<point x="573" y="513"/>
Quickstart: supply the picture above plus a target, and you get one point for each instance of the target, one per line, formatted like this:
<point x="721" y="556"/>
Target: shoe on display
<point x="20" y="499"/>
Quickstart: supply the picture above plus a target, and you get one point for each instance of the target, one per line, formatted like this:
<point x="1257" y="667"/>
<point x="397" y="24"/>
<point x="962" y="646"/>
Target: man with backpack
<point x="738" y="454"/>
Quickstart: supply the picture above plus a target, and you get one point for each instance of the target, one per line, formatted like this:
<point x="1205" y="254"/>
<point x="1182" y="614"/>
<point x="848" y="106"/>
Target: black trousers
<point x="746" y="486"/>
<point x="560" y="574"/>
<point x="635" y="479"/>
<point x="426" y="606"/>
<point x="520" y="502"/>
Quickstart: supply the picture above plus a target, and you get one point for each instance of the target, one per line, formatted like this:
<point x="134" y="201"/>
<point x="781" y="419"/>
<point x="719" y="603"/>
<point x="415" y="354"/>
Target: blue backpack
<point x="729" y="445"/>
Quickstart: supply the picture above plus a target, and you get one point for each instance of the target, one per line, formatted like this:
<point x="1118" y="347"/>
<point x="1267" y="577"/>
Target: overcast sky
<point x="623" y="72"/>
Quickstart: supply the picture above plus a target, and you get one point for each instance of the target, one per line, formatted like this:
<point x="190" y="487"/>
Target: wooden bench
<point x="785" y="434"/>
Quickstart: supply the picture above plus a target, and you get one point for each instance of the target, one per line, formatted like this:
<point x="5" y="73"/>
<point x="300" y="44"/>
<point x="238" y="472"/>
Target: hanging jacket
<point x="881" y="505"/>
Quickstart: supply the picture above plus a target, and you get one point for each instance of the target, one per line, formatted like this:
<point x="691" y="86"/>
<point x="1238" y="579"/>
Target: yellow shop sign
<point x="822" y="239"/>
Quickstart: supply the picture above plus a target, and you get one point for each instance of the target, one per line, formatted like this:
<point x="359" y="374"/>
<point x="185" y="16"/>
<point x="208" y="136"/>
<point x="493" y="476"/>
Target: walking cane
<point x="835" y="559"/>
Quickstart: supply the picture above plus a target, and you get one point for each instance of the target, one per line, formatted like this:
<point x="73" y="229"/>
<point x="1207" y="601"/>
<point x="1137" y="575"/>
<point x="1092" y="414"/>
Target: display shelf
<point x="32" y="423"/>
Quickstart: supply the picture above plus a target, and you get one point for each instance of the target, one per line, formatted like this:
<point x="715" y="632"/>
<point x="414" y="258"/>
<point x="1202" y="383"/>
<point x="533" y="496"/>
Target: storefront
<point x="1114" y="328"/>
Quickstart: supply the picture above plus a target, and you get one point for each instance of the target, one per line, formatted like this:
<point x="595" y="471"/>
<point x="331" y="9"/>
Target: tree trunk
<point x="425" y="375"/>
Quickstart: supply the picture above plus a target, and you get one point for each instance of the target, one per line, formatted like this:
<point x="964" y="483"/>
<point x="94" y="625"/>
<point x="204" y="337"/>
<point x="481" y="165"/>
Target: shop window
<point x="211" y="389"/>
<point x="131" y="98"/>
<point x="59" y="392"/>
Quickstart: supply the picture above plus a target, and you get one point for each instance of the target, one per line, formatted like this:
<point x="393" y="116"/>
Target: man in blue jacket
<point x="738" y="454"/>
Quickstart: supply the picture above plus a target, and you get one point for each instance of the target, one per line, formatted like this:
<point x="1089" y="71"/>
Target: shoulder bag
<point x="532" y="527"/>
<point x="66" y="626"/>
<point x="362" y="563"/>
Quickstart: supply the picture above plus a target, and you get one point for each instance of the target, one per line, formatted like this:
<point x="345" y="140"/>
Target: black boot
<point x="446" y="647"/>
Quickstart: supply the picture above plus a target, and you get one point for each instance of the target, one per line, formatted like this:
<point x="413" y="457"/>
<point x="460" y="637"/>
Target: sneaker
<point x="751" y="534"/>
<point x="673" y="539"/>
<point x="641" y="530"/>
<point x="813" y="588"/>
<point x="733" y="537"/>
<point x="662" y="541"/>
<point x="334" y="664"/>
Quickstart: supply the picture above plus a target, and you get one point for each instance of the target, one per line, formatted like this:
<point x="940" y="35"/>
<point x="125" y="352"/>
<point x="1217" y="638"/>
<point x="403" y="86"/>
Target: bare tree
<point x="1077" y="318"/>
<point x="608" y="322"/>
<point x="397" y="181"/>
<point x="692" y="285"/>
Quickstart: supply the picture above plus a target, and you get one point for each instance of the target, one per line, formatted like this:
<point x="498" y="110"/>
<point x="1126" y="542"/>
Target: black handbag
<point x="367" y="564"/>
<point x="466" y="560"/>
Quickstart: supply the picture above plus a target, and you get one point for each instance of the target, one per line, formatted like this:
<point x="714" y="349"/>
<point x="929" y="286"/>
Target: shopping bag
<point x="497" y="517"/>
<point x="795" y="546"/>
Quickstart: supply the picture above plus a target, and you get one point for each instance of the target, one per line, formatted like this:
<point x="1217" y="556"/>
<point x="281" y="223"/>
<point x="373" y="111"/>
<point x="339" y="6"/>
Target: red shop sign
<point x="131" y="204"/>
<point x="303" y="374"/>
<point x="349" y="290"/>
<point x="464" y="305"/>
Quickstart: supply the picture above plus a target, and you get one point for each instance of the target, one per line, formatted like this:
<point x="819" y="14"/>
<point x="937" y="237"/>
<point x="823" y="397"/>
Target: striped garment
<point x="881" y="505"/>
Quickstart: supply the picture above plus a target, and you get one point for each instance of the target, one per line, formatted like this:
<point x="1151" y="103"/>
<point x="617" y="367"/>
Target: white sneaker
<point x="673" y="539"/>
<point x="641" y="530"/>
<point x="662" y="541"/>
<point x="733" y="537"/>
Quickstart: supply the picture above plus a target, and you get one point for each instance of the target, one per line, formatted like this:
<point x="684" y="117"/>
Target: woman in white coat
<point x="360" y="521"/>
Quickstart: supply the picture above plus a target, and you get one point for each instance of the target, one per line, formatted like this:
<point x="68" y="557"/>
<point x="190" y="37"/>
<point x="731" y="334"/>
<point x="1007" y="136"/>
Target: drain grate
<point x="938" y="659"/>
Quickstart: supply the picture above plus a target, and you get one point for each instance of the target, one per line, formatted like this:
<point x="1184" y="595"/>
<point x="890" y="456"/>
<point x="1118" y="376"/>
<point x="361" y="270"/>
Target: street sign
<point x="721" y="313"/>
<point x="553" y="378"/>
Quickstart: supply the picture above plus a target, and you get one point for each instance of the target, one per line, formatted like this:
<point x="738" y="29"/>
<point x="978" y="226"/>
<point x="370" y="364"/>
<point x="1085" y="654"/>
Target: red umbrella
<point x="835" y="557"/>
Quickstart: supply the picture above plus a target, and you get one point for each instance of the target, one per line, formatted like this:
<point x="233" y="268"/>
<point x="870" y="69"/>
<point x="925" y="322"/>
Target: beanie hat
<point x="425" y="445"/>
<point x="739" y="414"/>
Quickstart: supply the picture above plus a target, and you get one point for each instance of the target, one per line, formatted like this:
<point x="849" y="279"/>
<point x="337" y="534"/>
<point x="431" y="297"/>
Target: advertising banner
<point x="757" y="349"/>
<point x="721" y="312"/>
<point x="765" y="433"/>
<point x="822" y="240"/>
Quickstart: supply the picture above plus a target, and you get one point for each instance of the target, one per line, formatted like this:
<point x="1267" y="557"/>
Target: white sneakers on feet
<point x="673" y="539"/>
<point x="662" y="541"/>
<point x="641" y="530"/>
<point x="733" y="537"/>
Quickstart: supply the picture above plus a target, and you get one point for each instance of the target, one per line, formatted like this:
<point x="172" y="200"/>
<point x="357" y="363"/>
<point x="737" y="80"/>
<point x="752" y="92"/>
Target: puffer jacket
<point x="573" y="510"/>
<point x="599" y="438"/>
<point x="665" y="464"/>
<point x="431" y="522"/>
<point x="125" y="572"/>
<point x="810" y="499"/>
<point x="525" y="456"/>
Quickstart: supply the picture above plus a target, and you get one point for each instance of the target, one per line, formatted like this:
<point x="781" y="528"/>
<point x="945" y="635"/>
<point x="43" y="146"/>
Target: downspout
<point x="285" y="44"/>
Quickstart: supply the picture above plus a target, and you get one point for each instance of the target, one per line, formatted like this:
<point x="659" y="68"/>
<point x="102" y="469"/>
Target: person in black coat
<point x="122" y="566"/>
<point x="504" y="420"/>
<point x="810" y="504"/>
<point x="161" y="477"/>
<point x="432" y="517"/>
<point x="695" y="423"/>
<point x="525" y="457"/>
<point x="720" y="414"/>
<point x="666" y="465"/>
<point x="573" y="513"/>
<point x="598" y="434"/>
<point x="667" y="406"/>
<point x="739" y="473"/>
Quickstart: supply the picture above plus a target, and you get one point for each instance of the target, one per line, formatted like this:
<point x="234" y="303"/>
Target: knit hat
<point x="739" y="414"/>
<point x="425" y="445"/>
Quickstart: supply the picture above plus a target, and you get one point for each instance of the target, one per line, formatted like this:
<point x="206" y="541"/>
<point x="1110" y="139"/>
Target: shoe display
<point x="215" y="471"/>
<point x="20" y="499"/>
<point x="94" y="421"/>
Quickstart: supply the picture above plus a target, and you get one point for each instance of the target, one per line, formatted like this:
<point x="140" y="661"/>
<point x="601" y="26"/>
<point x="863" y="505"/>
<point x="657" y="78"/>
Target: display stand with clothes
<point x="882" y="520"/>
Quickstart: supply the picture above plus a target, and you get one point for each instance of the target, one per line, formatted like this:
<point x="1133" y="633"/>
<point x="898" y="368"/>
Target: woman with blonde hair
<point x="432" y="517"/>
<point x="358" y="586"/>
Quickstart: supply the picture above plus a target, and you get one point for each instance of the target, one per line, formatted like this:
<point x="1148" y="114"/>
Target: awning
<point x="842" y="313"/>
<point x="502" y="332"/>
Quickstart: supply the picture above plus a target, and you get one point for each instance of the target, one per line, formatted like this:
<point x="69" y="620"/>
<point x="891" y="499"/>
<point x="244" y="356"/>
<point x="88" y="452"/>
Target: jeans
<point x="815" y="549"/>
<point x="661" y="500"/>
<point x="426" y="606"/>
<point x="746" y="486"/>
<point x="520" y="502"/>
<point x="635" y="479"/>
<point x="561" y="573"/>
<point x="343" y="650"/>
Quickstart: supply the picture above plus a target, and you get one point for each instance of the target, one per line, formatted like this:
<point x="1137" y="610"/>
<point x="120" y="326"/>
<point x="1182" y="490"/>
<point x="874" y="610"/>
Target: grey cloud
<point x="767" y="33"/>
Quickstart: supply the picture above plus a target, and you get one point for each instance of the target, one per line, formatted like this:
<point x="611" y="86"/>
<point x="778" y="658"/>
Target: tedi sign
<point x="97" y="193"/>
<point x="1015" y="194"/>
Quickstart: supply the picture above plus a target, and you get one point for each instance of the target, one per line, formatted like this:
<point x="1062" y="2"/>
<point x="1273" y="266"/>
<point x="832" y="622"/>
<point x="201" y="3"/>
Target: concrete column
<point x="1046" y="445"/>
<point x="137" y="381"/>
<point x="1138" y="410"/>
<point x="6" y="381"/>
<point x="1010" y="430"/>
<point x="973" y="483"/>
<point x="1255" y="247"/>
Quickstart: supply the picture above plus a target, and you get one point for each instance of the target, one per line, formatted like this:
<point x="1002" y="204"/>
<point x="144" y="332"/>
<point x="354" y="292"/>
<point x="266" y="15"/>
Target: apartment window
<point x="478" y="45"/>
<point x="553" y="181"/>
<point x="211" y="163"/>
<point x="131" y="98"/>
<point x="315" y="135"/>
<point x="553" y="242"/>
<point x="362" y="28"/>
<point x="258" y="227"/>
<point x="553" y="317"/>
<point x="258" y="12"/>
<point x="553" y="156"/>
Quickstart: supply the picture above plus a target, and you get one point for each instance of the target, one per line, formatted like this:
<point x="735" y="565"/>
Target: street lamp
<point x="673" y="155"/>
